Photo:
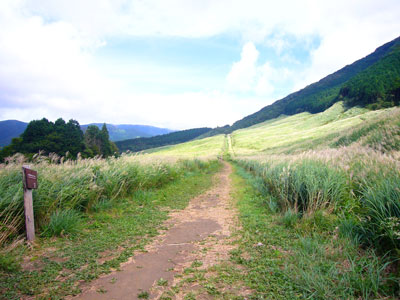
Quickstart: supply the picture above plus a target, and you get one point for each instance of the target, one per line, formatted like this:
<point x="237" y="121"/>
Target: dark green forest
<point x="176" y="137"/>
<point x="62" y="138"/>
<point x="378" y="86"/>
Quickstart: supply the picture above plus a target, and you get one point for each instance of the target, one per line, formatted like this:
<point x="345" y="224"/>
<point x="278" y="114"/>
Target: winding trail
<point x="207" y="223"/>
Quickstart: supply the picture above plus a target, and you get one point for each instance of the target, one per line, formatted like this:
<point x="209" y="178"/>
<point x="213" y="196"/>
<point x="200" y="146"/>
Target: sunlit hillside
<point x="202" y="148"/>
<point x="332" y="128"/>
<point x="303" y="131"/>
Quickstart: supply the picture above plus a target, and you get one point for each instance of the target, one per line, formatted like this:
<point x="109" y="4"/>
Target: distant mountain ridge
<point x="10" y="129"/>
<point x="172" y="138"/>
<point x="377" y="75"/>
<point x="126" y="131"/>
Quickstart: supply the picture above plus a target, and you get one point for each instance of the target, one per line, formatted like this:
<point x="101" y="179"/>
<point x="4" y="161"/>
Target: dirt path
<point x="207" y="223"/>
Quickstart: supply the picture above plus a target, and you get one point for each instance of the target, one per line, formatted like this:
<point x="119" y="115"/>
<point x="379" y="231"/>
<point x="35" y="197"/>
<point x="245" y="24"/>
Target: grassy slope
<point x="287" y="134"/>
<point x="208" y="147"/>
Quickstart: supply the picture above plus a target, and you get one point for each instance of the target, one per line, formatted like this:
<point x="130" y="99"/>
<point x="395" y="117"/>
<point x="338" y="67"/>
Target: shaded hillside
<point x="368" y="73"/>
<point x="173" y="138"/>
<point x="10" y="129"/>
<point x="126" y="131"/>
<point x="378" y="86"/>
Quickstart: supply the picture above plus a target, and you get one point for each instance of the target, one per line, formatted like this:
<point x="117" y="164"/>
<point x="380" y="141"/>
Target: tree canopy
<point x="98" y="141"/>
<point x="61" y="138"/>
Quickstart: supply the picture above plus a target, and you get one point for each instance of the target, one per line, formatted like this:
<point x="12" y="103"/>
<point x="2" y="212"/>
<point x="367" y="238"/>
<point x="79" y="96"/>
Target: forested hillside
<point x="372" y="81"/>
<point x="376" y="87"/>
<point x="177" y="137"/>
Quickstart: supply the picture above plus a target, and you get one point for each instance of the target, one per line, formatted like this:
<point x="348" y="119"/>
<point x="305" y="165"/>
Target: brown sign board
<point x="30" y="179"/>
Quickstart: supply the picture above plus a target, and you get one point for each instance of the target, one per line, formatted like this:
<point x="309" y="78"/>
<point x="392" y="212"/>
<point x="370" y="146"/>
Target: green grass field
<point x="205" y="148"/>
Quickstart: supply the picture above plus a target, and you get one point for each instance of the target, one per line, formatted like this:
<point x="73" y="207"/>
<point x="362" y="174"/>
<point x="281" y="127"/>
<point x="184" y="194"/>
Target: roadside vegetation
<point x="323" y="204"/>
<point x="90" y="215"/>
<point x="290" y="254"/>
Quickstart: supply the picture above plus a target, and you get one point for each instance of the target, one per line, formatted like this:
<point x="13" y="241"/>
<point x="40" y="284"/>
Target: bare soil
<point x="201" y="232"/>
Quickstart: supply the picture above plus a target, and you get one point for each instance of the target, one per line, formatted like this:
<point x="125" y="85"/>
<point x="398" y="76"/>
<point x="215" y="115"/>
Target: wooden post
<point x="28" y="207"/>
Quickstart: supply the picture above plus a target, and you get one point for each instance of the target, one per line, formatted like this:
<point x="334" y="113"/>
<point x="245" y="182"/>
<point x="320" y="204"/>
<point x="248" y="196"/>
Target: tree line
<point x="63" y="138"/>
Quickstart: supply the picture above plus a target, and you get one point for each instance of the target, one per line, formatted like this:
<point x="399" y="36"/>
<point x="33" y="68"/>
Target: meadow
<point x="210" y="147"/>
<point x="319" y="193"/>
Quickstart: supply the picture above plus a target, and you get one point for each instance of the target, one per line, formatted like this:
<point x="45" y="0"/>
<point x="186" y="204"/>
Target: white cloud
<point x="43" y="59"/>
<point x="248" y="75"/>
<point x="267" y="77"/>
<point x="47" y="49"/>
<point x="175" y="111"/>
<point x="349" y="31"/>
<point x="178" y="110"/>
<point x="243" y="73"/>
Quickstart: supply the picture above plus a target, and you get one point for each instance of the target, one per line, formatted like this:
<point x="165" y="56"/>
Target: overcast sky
<point x="176" y="63"/>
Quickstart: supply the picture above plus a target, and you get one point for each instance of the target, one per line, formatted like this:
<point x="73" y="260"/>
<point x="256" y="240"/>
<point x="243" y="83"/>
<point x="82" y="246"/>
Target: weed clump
<point x="63" y="222"/>
<point x="380" y="223"/>
<point x="290" y="218"/>
<point x="8" y="263"/>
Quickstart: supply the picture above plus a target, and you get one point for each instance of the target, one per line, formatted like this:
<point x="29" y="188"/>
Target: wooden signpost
<point x="30" y="183"/>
